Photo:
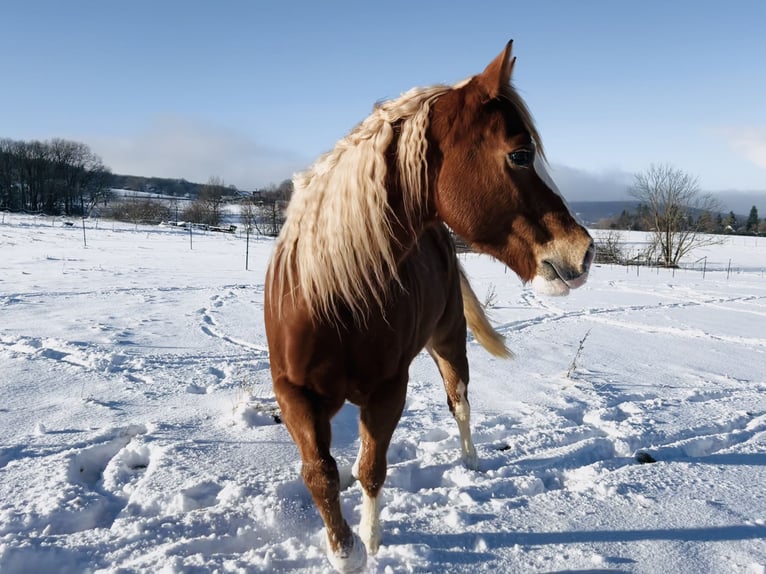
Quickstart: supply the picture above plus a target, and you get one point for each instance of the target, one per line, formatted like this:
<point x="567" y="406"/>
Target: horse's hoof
<point x="471" y="462"/>
<point x="350" y="558"/>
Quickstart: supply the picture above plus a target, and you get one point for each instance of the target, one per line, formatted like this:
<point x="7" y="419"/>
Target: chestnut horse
<point x="364" y="274"/>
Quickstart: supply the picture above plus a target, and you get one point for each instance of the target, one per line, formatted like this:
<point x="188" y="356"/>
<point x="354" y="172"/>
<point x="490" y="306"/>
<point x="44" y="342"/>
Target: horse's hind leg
<point x="377" y="422"/>
<point x="451" y="359"/>
<point x="307" y="417"/>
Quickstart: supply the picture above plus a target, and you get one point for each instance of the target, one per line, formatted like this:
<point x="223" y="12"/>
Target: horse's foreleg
<point x="453" y="366"/>
<point x="377" y="422"/>
<point x="307" y="417"/>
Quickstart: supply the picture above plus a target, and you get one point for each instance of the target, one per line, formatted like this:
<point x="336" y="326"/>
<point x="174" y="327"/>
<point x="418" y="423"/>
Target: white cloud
<point x="178" y="147"/>
<point x="750" y="141"/>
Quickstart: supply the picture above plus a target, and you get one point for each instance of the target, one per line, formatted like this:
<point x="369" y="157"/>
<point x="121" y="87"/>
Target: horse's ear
<point x="496" y="77"/>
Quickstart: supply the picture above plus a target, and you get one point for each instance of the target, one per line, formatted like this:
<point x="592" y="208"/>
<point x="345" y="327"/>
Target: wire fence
<point x="704" y="266"/>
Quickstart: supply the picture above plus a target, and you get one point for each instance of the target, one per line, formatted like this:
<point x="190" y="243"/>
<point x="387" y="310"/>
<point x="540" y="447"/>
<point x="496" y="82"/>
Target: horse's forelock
<point x="525" y="116"/>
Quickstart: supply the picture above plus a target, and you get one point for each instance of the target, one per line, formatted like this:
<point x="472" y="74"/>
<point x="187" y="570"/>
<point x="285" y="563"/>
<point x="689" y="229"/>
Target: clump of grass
<point x="490" y="299"/>
<point x="573" y="364"/>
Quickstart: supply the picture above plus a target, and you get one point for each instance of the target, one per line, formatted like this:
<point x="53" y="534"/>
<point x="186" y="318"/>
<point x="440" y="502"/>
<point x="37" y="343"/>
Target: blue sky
<point x="251" y="91"/>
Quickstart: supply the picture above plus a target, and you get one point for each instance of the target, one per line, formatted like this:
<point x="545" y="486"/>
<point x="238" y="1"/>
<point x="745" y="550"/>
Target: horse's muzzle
<point x="557" y="276"/>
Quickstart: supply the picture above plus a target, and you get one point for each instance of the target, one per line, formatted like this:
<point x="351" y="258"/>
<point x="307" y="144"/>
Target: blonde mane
<point x="336" y="246"/>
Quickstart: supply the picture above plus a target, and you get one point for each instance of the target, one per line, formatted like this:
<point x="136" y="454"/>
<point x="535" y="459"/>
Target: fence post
<point x="247" y="247"/>
<point x="704" y="266"/>
<point x="82" y="208"/>
<point x="728" y="270"/>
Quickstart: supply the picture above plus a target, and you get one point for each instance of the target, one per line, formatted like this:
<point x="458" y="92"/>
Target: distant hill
<point x="590" y="212"/>
<point x="162" y="186"/>
<point x="156" y="185"/>
<point x="181" y="188"/>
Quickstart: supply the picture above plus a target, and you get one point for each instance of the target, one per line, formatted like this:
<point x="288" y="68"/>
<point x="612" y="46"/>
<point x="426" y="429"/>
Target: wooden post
<point x="247" y="246"/>
<point x="82" y="208"/>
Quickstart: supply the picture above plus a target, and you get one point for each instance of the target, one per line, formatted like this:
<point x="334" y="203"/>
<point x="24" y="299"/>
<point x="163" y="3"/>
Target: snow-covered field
<point x="135" y="433"/>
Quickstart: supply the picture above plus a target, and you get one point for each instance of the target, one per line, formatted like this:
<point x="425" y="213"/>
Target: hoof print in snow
<point x="193" y="389"/>
<point x="644" y="458"/>
<point x="258" y="414"/>
<point x="88" y="465"/>
<point x="202" y="495"/>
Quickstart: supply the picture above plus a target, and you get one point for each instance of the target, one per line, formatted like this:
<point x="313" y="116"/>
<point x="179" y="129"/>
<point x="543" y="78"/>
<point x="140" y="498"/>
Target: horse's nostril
<point x="590" y="254"/>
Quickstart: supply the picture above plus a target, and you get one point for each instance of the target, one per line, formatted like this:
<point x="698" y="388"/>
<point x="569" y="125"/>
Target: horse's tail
<point x="477" y="321"/>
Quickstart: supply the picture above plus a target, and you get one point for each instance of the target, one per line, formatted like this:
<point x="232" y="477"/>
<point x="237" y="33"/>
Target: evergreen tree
<point x="752" y="221"/>
<point x="705" y="222"/>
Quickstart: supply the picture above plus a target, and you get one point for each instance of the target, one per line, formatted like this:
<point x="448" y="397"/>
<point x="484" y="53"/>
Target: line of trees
<point x="53" y="177"/>
<point x="751" y="226"/>
<point x="678" y="216"/>
<point x="707" y="221"/>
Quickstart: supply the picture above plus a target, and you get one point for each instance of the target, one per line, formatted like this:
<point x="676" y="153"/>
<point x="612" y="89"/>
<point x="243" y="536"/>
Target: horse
<point x="364" y="274"/>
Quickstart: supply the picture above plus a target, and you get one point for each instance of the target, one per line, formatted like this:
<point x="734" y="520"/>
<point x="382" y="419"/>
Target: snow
<point x="137" y="428"/>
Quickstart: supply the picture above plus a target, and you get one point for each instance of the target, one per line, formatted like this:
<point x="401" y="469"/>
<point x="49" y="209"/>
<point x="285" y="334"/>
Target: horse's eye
<point x="522" y="157"/>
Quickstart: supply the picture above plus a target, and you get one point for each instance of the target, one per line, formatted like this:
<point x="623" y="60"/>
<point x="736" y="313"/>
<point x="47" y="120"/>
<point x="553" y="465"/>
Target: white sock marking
<point x="463" y="418"/>
<point x="369" y="526"/>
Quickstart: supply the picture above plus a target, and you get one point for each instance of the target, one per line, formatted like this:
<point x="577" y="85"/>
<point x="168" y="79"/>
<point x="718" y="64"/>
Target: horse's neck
<point x="408" y="228"/>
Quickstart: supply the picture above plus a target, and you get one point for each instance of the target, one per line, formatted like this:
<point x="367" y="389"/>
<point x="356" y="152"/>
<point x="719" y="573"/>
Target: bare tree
<point x="198" y="212"/>
<point x="248" y="214"/>
<point x="674" y="201"/>
<point x="273" y="212"/>
<point x="212" y="196"/>
<point x="144" y="210"/>
<point x="609" y="247"/>
<point x="285" y="190"/>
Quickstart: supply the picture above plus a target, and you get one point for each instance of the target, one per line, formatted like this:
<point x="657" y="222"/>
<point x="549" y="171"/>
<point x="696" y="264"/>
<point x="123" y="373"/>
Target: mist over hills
<point x="591" y="212"/>
<point x="599" y="195"/>
<point x="740" y="202"/>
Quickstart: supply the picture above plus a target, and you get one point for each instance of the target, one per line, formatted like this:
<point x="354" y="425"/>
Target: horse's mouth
<point x="552" y="279"/>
